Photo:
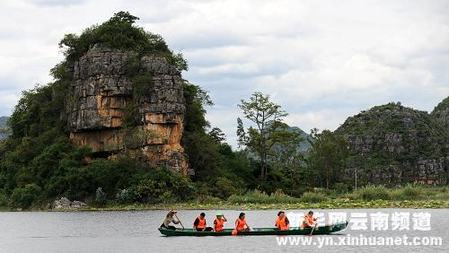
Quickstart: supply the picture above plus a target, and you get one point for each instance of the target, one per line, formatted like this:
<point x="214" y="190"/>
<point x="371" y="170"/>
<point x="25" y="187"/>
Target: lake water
<point x="137" y="232"/>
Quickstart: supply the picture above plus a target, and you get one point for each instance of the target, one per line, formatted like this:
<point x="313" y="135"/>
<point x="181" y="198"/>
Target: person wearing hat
<point x="169" y="219"/>
<point x="219" y="222"/>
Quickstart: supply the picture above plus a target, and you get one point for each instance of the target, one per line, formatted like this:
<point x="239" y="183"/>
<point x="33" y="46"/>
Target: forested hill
<point x="119" y="124"/>
<point x="393" y="144"/>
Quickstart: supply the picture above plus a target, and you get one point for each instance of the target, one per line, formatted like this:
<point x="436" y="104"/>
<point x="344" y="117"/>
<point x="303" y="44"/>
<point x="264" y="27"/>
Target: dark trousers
<point x="169" y="227"/>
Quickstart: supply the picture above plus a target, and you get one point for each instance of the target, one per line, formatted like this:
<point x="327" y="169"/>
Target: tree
<point x="268" y="130"/>
<point x="217" y="135"/>
<point x="327" y="156"/>
<point x="287" y="168"/>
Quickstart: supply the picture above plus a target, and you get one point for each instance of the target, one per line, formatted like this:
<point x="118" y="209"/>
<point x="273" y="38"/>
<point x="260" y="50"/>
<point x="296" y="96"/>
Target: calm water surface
<point x="137" y="232"/>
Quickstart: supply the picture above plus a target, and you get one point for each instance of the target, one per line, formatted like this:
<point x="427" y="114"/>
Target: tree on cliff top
<point x="119" y="32"/>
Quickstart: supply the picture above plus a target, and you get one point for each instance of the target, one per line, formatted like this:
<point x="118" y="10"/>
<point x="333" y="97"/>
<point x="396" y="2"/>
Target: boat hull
<point x="321" y="230"/>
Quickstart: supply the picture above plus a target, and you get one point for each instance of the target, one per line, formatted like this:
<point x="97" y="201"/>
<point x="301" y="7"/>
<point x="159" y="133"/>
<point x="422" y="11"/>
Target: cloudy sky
<point x="321" y="60"/>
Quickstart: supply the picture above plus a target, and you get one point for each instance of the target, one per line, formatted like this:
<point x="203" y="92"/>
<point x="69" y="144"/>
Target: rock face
<point x="393" y="144"/>
<point x="102" y="92"/>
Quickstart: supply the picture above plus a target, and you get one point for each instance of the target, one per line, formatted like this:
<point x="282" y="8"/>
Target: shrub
<point x="24" y="197"/>
<point x="161" y="185"/>
<point x="3" y="199"/>
<point x="341" y="188"/>
<point x="408" y="192"/>
<point x="225" y="187"/>
<point x="100" y="196"/>
<point x="149" y="190"/>
<point x="371" y="192"/>
<point x="313" y="197"/>
<point x="119" y="32"/>
<point x="125" y="196"/>
<point x="257" y="196"/>
<point x="203" y="199"/>
<point x="412" y="192"/>
<point x="443" y="194"/>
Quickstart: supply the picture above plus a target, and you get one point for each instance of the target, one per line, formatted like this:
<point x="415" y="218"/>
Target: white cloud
<point x="321" y="60"/>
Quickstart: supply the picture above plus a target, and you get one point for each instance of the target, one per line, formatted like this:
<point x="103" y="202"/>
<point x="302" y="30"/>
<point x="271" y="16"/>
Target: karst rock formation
<point x="101" y="95"/>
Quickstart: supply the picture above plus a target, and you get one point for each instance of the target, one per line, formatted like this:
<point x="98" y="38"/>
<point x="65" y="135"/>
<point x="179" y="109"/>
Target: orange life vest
<point x="201" y="223"/>
<point x="219" y="224"/>
<point x="281" y="223"/>
<point x="240" y="224"/>
<point x="308" y="221"/>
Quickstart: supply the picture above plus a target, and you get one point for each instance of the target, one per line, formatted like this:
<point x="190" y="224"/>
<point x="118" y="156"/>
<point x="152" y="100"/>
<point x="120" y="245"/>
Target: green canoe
<point x="321" y="230"/>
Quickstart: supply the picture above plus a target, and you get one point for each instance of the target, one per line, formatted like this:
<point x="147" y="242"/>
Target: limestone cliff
<point x="393" y="144"/>
<point x="101" y="94"/>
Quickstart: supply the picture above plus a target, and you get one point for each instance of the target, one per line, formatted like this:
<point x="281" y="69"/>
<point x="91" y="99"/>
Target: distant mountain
<point x="392" y="144"/>
<point x="304" y="145"/>
<point x="3" y="127"/>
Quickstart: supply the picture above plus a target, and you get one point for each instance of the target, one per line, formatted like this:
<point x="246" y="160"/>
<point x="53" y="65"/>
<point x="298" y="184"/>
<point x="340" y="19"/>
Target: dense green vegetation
<point x="442" y="106"/>
<point x="38" y="164"/>
<point x="37" y="161"/>
<point x="441" y="113"/>
<point x="391" y="139"/>
<point x="327" y="159"/>
<point x="367" y="193"/>
<point x="119" y="32"/>
<point x="269" y="136"/>
<point x="410" y="196"/>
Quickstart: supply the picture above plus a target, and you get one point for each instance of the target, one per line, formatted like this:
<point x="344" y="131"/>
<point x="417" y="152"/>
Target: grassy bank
<point x="410" y="196"/>
<point x="224" y="205"/>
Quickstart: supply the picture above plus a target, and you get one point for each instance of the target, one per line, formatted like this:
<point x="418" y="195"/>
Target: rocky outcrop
<point x="102" y="94"/>
<point x="64" y="204"/>
<point x="393" y="144"/>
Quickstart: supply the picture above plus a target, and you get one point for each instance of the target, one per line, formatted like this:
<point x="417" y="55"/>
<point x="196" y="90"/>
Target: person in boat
<point x="282" y="222"/>
<point x="309" y="220"/>
<point x="170" y="218"/>
<point x="200" y="223"/>
<point x="240" y="224"/>
<point x="219" y="222"/>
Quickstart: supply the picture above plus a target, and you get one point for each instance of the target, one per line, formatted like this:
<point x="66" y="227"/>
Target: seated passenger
<point x="200" y="223"/>
<point x="309" y="221"/>
<point x="282" y="222"/>
<point x="219" y="222"/>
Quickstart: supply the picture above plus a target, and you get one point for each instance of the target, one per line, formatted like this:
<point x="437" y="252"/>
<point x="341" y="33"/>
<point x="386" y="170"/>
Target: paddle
<point x="179" y="221"/>
<point x="311" y="232"/>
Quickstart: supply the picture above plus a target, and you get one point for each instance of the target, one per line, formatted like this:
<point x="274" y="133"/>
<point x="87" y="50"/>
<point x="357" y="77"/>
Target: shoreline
<point x="377" y="204"/>
<point x="335" y="204"/>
